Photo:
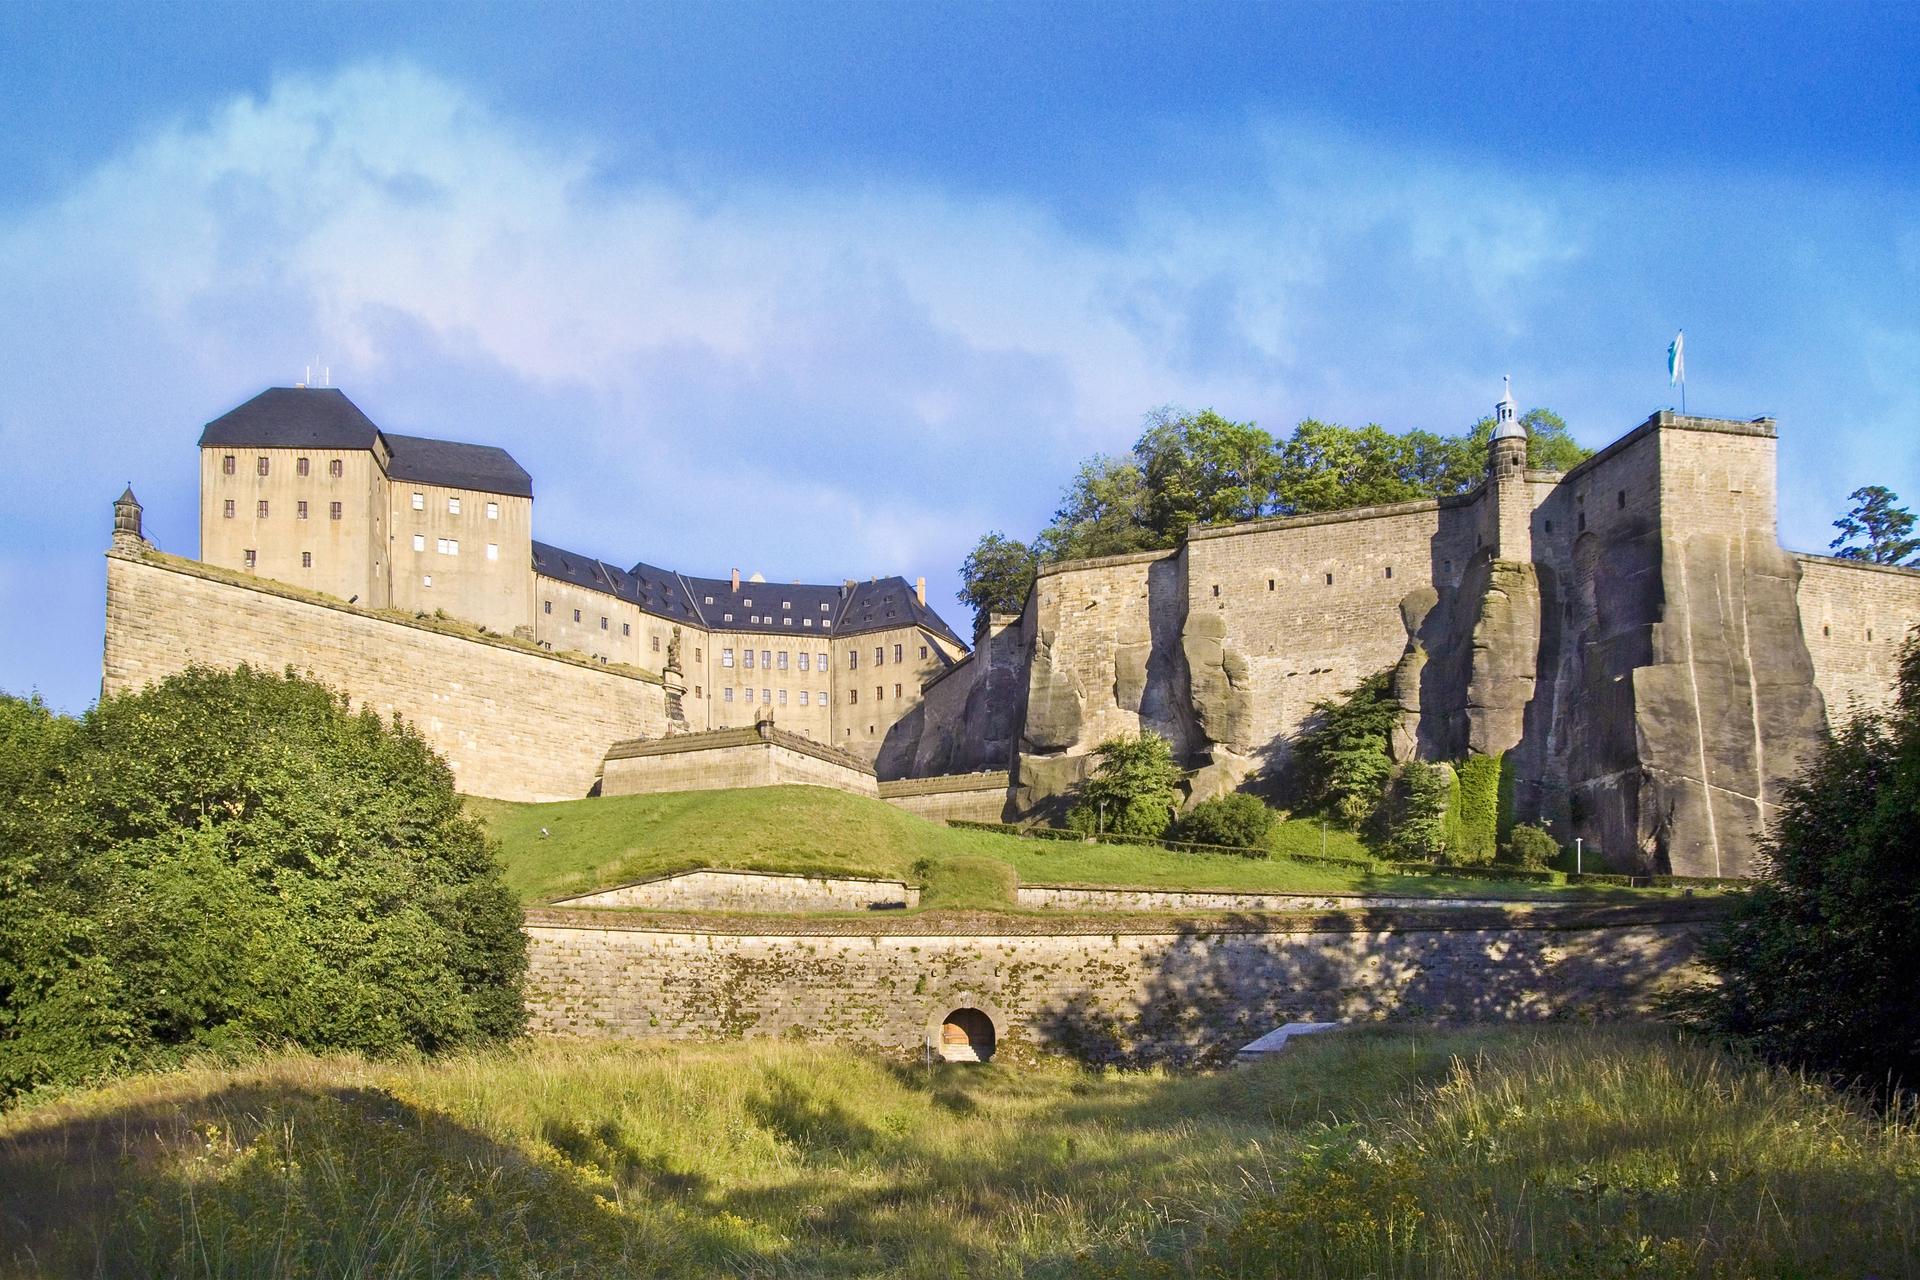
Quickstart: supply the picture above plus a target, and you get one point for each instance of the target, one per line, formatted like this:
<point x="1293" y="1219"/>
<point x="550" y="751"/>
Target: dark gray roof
<point x="780" y="607"/>
<point x="655" y="591"/>
<point x="294" y="418"/>
<point x="457" y="466"/>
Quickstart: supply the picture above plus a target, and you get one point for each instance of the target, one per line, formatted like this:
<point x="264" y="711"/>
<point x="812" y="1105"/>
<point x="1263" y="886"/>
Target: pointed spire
<point x="1506" y="414"/>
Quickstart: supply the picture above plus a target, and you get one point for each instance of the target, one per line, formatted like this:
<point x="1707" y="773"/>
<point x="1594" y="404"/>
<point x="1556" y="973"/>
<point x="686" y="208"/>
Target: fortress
<point x="1628" y="638"/>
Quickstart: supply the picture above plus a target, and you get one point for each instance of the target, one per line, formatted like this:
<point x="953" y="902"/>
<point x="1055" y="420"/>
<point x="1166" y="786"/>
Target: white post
<point x="1579" y="865"/>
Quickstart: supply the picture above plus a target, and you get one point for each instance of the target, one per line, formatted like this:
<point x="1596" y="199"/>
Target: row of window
<point x="453" y="506"/>
<point x="879" y="694"/>
<point x="785" y="605"/>
<point x="262" y="465"/>
<point x="826" y="624"/>
<point x="775" y="695"/>
<point x="451" y="546"/>
<point x="771" y="660"/>
<point x="879" y="655"/>
<point x="300" y="510"/>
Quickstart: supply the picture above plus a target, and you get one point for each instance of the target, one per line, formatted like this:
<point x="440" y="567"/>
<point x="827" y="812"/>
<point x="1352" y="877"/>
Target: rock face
<point x="1645" y="669"/>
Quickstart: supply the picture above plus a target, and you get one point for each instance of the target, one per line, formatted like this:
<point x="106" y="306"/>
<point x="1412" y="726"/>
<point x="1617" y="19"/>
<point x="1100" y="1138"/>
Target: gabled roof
<point x="456" y="465"/>
<point x="294" y="418"/>
<point x="890" y="602"/>
<point x="655" y="591"/>
<point x="781" y="608"/>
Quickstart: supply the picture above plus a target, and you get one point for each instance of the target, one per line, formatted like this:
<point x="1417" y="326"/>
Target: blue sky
<point x="828" y="290"/>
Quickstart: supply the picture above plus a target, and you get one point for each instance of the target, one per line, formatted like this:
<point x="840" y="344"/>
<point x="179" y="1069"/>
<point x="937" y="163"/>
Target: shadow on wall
<point x="1209" y="992"/>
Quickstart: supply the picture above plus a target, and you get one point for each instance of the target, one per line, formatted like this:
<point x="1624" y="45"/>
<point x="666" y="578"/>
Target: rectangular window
<point x="766" y="695"/>
<point x="726" y="657"/>
<point x="306" y="559"/>
<point x="453" y="546"/>
<point x="419" y="542"/>
<point x="302" y="467"/>
<point x="747" y="658"/>
<point x="603" y="622"/>
<point x="803" y="697"/>
<point x="726" y="617"/>
<point x="782" y="663"/>
<point x="626" y="628"/>
<point x="896" y="691"/>
<point x="226" y="465"/>
<point x="821" y="663"/>
<point x="766" y="659"/>
<point x="879" y="654"/>
<point x="426" y="579"/>
<point x="853" y="659"/>
<point x="493" y="511"/>
<point x="806" y="622"/>
<point x="453" y="506"/>
<point x="696" y="691"/>
<point x="261" y="508"/>
<point x="726" y="695"/>
<point x="896" y="653"/>
<point x="333" y="511"/>
<point x="923" y="651"/>
<point x="576" y="615"/>
<point x="546" y="606"/>
<point x="440" y="545"/>
<point x="493" y="551"/>
<point x="786" y="604"/>
<point x="656" y="644"/>
<point x="253" y="558"/>
<point x="227" y="510"/>
<point x="804" y="658"/>
<point x="696" y="653"/>
<point x="419" y="502"/>
<point x="783" y="697"/>
<point x="853" y="695"/>
<point x="300" y="510"/>
<point x="822" y="698"/>
<point x="260" y="465"/>
<point x="335" y="468"/>
<point x="709" y="600"/>
<point x="826" y="608"/>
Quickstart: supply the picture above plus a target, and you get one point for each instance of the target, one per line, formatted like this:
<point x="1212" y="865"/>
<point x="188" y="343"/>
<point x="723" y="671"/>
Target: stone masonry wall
<point x="753" y="891"/>
<point x="1114" y="996"/>
<point x="514" y="724"/>
<point x="970" y="797"/>
<point x="728" y="758"/>
<point x="1855" y="617"/>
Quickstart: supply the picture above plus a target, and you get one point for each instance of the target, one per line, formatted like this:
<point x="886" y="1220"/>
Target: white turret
<point x="1512" y="502"/>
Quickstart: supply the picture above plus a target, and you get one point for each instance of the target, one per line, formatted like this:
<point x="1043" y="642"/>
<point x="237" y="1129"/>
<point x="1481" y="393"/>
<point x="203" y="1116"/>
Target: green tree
<point x="1203" y="469"/>
<point x="1342" y="761"/>
<point x="1133" y="790"/>
<point x="1815" y="961"/>
<point x="1102" y="513"/>
<point x="1883" y="530"/>
<point x="1237" y="819"/>
<point x="1531" y="847"/>
<point x="1421" y="829"/>
<point x="996" y="576"/>
<point x="234" y="858"/>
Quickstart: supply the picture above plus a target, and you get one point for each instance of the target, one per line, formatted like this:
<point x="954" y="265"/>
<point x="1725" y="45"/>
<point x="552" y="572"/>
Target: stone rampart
<point x="1855" y="616"/>
<point x="710" y="890"/>
<point x="727" y="758"/>
<point x="514" y="723"/>
<point x="1044" y="897"/>
<point x="1112" y="993"/>
<point x="970" y="797"/>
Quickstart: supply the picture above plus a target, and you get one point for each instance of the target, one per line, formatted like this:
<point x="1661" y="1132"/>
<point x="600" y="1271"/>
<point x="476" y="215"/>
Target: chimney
<point x="920" y="591"/>
<point x="736" y="580"/>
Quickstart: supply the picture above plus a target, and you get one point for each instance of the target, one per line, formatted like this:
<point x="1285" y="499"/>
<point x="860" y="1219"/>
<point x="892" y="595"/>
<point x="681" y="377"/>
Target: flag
<point x="1677" y="359"/>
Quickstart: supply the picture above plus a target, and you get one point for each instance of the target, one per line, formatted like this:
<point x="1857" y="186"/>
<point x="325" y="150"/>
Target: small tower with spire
<point x="127" y="535"/>
<point x="1507" y="482"/>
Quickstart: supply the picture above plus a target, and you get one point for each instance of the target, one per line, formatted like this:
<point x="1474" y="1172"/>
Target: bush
<point x="1422" y="795"/>
<point x="1815" y="961"/>
<point x="1478" y="828"/>
<point x="1239" y="820"/>
<point x="1133" y="791"/>
<point x="1342" y="754"/>
<point x="234" y="858"/>
<point x="1531" y="846"/>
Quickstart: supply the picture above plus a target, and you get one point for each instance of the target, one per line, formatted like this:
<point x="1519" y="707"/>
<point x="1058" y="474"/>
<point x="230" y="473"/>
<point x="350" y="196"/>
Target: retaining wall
<point x="752" y="891"/>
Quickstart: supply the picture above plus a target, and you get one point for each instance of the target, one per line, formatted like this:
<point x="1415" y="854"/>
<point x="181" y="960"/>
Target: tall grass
<point x="1528" y="1152"/>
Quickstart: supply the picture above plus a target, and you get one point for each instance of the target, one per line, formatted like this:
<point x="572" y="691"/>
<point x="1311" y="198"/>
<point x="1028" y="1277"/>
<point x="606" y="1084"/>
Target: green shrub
<point x="1478" y="829"/>
<point x="1421" y="795"/>
<point x="1531" y="846"/>
<point x="1133" y="791"/>
<point x="1343" y="766"/>
<point x="233" y="858"/>
<point x="1238" y="819"/>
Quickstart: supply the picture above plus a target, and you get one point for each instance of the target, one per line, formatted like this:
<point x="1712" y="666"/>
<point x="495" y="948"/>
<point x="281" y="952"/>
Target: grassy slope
<point x="1491" y="1152"/>
<point x="614" y="839"/>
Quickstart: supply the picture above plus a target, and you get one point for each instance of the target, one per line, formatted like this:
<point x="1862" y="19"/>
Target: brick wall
<point x="1114" y="996"/>
<point x="513" y="723"/>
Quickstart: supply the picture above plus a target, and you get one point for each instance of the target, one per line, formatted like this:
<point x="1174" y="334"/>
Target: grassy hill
<point x="611" y="840"/>
<point x="1494" y="1152"/>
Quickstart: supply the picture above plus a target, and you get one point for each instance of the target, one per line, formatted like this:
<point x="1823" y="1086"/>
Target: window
<point x="334" y="468"/>
<point x="726" y="695"/>
<point x="806" y="622"/>
<point x="781" y="662"/>
<point x="1329" y="579"/>
<point x="747" y="603"/>
<point x="804" y="658"/>
<point x="803" y="697"/>
<point x="853" y="659"/>
<point x="879" y="693"/>
<point x="786" y="622"/>
<point x="709" y="600"/>
<point x="546" y="606"/>
<point x="426" y="579"/>
<point x="260" y="508"/>
<point x="1583" y="522"/>
<point x="726" y="617"/>
<point x="302" y="467"/>
<point x="766" y="659"/>
<point x="783" y="697"/>
<point x="853" y="696"/>
<point x="1216" y="590"/>
<point x="576" y="615"/>
<point x="826" y="624"/>
<point x="656" y="642"/>
<point x="453" y="506"/>
<point x="1389" y="571"/>
<point x="449" y="546"/>
<point x="923" y="651"/>
<point x="696" y="691"/>
<point x="253" y="558"/>
<point x="306" y="559"/>
<point x="879" y="654"/>
<point x="260" y="465"/>
<point x="1269" y="584"/>
<point x="300" y="510"/>
<point x="755" y="619"/>
<point x="896" y="653"/>
<point x="786" y="604"/>
<point x="746" y="659"/>
<point x="419" y="542"/>
<point x="696" y="654"/>
<point x="333" y="511"/>
<point x="726" y="657"/>
<point x="603" y="622"/>
<point x="766" y="695"/>
<point x="227" y="510"/>
<point x="896" y="691"/>
<point x="626" y="628"/>
<point x="493" y="511"/>
<point x="419" y="502"/>
<point x="821" y="697"/>
<point x="821" y="663"/>
<point x="226" y="465"/>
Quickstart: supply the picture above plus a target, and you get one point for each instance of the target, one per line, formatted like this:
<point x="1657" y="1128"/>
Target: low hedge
<point x="1607" y="877"/>
<point x="1175" y="846"/>
<point x="1701" y="882"/>
<point x="1491" y="872"/>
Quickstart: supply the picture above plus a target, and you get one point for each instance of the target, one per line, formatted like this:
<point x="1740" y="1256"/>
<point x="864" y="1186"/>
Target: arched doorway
<point x="966" y="1035"/>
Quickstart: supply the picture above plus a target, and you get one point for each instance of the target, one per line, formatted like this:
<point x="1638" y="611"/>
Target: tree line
<point x="1188" y="469"/>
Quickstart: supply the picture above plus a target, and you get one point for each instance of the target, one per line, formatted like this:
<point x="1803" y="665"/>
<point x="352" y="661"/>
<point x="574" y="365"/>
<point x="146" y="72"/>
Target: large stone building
<point x="1628" y="638"/>
<point x="299" y="486"/>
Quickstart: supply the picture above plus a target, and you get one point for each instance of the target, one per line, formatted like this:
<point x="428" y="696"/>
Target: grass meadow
<point x="1517" y="1151"/>
<point x="609" y="840"/>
